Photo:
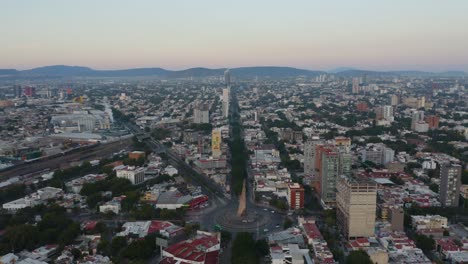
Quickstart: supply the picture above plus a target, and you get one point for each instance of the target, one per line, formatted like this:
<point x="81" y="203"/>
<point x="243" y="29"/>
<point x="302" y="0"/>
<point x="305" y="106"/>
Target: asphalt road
<point x="214" y="191"/>
<point x="207" y="216"/>
<point x="219" y="200"/>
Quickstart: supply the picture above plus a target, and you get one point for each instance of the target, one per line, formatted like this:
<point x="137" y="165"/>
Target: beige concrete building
<point x="356" y="203"/>
<point x="421" y="222"/>
<point x="397" y="216"/>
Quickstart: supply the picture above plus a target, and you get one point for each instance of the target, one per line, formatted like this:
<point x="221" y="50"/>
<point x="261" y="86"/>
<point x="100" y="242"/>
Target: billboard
<point x="216" y="143"/>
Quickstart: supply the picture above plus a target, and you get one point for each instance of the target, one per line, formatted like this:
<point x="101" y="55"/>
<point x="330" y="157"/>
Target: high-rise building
<point x="356" y="206"/>
<point x="226" y="94"/>
<point x="414" y="102"/>
<point x="61" y="95"/>
<point x="361" y="106"/>
<point x="384" y="112"/>
<point x="355" y="88"/>
<point x="29" y="91"/>
<point x="346" y="161"/>
<point x="394" y="100"/>
<point x="295" y="196"/>
<point x="225" y="109"/>
<point x="328" y="174"/>
<point x="334" y="162"/>
<point x="227" y="78"/>
<point x="225" y="103"/>
<point x="216" y="143"/>
<point x="321" y="78"/>
<point x="201" y="114"/>
<point x="432" y="121"/>
<point x="378" y="154"/>
<point x="450" y="181"/>
<point x="378" y="113"/>
<point x="17" y="91"/>
<point x="422" y="102"/>
<point x="309" y="155"/>
<point x="417" y="116"/>
<point x="388" y="112"/>
<point x="364" y="78"/>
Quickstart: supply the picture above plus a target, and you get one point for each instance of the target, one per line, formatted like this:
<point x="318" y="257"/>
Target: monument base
<point x="249" y="221"/>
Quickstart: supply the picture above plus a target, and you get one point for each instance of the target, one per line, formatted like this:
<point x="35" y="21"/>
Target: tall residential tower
<point x="450" y="181"/>
<point x="356" y="206"/>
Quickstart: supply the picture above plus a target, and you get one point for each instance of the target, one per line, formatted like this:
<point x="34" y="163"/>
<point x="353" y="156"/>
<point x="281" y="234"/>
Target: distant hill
<point x="131" y="72"/>
<point x="77" y="71"/>
<point x="195" y="72"/>
<point x="58" y="71"/>
<point x="269" y="71"/>
<point x="453" y="73"/>
<point x="357" y="73"/>
<point x="8" y="72"/>
<point x="342" y="69"/>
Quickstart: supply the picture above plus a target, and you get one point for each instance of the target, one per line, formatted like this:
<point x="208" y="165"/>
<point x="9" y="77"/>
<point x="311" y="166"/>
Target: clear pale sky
<point x="177" y="34"/>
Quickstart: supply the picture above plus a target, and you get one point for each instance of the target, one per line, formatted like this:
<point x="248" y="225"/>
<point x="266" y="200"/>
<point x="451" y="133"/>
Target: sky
<point x="177" y="34"/>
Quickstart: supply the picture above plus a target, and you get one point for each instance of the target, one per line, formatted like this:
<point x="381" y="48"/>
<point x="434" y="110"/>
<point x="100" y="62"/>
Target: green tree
<point x="374" y="140"/>
<point x="76" y="254"/>
<point x="358" y="257"/>
<point x="191" y="229"/>
<point x="425" y="243"/>
<point x="22" y="237"/>
<point x="104" y="247"/>
<point x="287" y="223"/>
<point x="243" y="249"/>
<point x="330" y="217"/>
<point x="465" y="177"/>
<point x="68" y="235"/>
<point x="117" y="244"/>
<point x="93" y="199"/>
<point x="140" y="249"/>
<point x="12" y="192"/>
<point x="145" y="212"/>
<point x="262" y="248"/>
<point x="131" y="198"/>
<point x="279" y="203"/>
<point x="397" y="180"/>
<point x="160" y="133"/>
<point x="226" y="237"/>
<point x="434" y="187"/>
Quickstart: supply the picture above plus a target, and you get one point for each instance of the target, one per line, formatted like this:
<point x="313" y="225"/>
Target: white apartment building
<point x="135" y="175"/>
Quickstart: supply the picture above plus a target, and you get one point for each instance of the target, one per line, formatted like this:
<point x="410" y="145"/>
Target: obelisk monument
<point x="242" y="202"/>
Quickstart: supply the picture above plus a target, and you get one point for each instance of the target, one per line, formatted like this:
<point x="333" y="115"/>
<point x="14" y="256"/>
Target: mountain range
<point x="242" y="72"/>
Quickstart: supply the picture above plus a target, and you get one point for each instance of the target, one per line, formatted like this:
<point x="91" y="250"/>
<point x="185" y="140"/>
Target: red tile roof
<point x="362" y="240"/>
<point x="312" y="231"/>
<point x="194" y="250"/>
<point x="328" y="260"/>
<point x="448" y="245"/>
<point x="90" y="225"/>
<point x="156" y="226"/>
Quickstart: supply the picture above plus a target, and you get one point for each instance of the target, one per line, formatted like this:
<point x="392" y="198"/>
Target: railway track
<point x="64" y="160"/>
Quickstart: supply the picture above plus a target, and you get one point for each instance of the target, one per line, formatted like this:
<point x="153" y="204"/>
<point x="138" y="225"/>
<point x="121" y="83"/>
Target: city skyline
<point x="426" y="36"/>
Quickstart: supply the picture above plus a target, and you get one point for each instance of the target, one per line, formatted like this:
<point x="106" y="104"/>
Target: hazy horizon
<point x="106" y="35"/>
<point x="337" y="69"/>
